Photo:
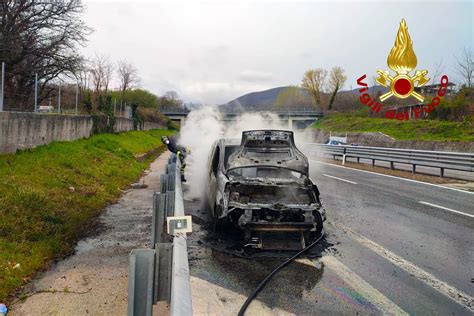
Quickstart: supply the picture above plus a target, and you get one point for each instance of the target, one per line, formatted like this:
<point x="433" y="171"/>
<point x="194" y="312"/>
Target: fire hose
<point x="271" y="274"/>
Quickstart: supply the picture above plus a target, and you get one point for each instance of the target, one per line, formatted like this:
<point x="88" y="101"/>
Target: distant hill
<point x="251" y="100"/>
<point x="370" y="91"/>
<point x="267" y="98"/>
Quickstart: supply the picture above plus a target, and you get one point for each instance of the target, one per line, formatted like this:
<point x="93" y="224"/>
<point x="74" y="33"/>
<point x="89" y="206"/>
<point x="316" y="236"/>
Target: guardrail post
<point x="413" y="169"/>
<point x="163" y="269"/>
<point x="392" y="165"/>
<point x="441" y="172"/>
<point x="140" y="282"/>
<point x="172" y="180"/>
<point x="163" y="183"/>
<point x="158" y="227"/>
<point x="172" y="159"/>
<point x="170" y="168"/>
<point x="373" y="163"/>
<point x="170" y="203"/>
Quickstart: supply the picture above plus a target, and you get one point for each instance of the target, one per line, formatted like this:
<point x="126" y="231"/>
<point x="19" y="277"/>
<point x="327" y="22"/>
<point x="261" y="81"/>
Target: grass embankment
<point x="48" y="196"/>
<point x="435" y="130"/>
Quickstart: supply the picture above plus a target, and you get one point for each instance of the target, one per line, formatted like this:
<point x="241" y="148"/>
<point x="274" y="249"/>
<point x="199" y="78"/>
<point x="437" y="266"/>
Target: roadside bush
<point x="457" y="109"/>
<point x="102" y="123"/>
<point x="152" y="115"/>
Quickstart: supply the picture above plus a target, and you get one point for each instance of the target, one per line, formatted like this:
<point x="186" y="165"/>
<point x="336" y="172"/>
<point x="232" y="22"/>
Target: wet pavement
<point x="382" y="254"/>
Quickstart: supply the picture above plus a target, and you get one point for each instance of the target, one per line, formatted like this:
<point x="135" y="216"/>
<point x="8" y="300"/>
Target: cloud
<point x="255" y="75"/>
<point x="213" y="52"/>
<point x="217" y="92"/>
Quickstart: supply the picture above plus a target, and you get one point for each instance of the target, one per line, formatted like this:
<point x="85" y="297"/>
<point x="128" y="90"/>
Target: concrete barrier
<point x="21" y="130"/>
<point x="123" y="124"/>
<point x="151" y="125"/>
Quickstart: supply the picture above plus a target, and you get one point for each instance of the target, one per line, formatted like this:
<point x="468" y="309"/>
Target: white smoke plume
<point x="204" y="126"/>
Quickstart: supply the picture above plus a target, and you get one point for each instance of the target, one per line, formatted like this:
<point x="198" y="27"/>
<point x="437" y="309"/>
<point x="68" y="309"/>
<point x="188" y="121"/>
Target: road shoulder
<point x="95" y="279"/>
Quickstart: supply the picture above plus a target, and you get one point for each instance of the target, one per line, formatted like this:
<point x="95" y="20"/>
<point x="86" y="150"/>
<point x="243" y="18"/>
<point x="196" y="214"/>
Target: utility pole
<point x="77" y="95"/>
<point x="115" y="106"/>
<point x="36" y="92"/>
<point x="59" y="97"/>
<point x="2" y="87"/>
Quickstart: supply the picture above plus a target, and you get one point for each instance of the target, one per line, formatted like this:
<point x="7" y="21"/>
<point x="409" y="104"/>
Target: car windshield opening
<point x="264" y="172"/>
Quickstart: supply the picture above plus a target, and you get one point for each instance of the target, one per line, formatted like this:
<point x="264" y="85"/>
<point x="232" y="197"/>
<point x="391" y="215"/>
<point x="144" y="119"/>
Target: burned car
<point x="262" y="186"/>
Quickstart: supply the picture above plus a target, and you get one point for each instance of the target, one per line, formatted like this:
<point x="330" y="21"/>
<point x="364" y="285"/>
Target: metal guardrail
<point x="162" y="272"/>
<point x="310" y="113"/>
<point x="436" y="159"/>
<point x="174" y="111"/>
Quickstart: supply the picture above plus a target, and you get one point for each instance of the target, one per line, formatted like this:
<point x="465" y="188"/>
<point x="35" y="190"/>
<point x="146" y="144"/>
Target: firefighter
<point x="180" y="151"/>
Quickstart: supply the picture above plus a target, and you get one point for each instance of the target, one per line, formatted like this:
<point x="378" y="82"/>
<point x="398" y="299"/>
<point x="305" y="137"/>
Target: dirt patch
<point x="94" y="281"/>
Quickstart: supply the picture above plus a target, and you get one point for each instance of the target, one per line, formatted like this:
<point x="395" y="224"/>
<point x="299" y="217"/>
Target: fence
<point x="436" y="159"/>
<point x="162" y="273"/>
<point x="56" y="96"/>
<point x="36" y="95"/>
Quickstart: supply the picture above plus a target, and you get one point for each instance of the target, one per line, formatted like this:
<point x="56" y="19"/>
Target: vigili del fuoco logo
<point x="402" y="60"/>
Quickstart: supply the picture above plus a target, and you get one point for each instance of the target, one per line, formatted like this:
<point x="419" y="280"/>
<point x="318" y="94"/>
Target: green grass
<point x="429" y="130"/>
<point x="49" y="195"/>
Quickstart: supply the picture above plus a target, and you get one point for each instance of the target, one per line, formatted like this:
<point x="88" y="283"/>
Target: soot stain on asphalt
<point x="248" y="267"/>
<point x="220" y="258"/>
<point x="297" y="276"/>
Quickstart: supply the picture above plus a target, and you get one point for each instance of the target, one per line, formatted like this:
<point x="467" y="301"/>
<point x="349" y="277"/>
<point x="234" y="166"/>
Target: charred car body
<point x="262" y="186"/>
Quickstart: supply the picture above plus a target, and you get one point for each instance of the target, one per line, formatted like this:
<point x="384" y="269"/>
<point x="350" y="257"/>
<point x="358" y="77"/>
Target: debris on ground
<point x="3" y="310"/>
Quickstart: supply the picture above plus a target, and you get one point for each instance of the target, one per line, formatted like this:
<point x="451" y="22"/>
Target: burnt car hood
<point x="270" y="148"/>
<point x="267" y="181"/>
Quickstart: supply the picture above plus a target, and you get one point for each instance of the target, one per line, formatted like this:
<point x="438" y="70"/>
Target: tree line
<point x="316" y="83"/>
<point x="319" y="89"/>
<point x="42" y="39"/>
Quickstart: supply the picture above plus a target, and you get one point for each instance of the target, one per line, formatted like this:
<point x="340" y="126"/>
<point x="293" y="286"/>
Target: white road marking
<point x="329" y="176"/>
<point x="447" y="209"/>
<point x="374" y="296"/>
<point x="386" y="175"/>
<point x="429" y="279"/>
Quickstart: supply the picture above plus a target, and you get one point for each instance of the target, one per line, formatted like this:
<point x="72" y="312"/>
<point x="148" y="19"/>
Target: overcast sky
<point x="214" y="51"/>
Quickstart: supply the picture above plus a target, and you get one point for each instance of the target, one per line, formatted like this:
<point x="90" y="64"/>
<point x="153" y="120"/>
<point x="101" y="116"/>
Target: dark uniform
<point x="180" y="152"/>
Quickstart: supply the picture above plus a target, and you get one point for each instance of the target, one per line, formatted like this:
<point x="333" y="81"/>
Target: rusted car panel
<point x="262" y="186"/>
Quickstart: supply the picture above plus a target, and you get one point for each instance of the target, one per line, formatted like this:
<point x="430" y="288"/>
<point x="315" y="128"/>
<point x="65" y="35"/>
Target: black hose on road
<point x="271" y="274"/>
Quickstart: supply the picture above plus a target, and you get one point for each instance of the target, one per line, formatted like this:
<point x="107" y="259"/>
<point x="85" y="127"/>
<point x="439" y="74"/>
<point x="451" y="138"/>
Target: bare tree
<point x="336" y="81"/>
<point x="170" y="100"/>
<point x="438" y="70"/>
<point x="128" y="75"/>
<point x="39" y="37"/>
<point x="171" y="95"/>
<point x="314" y="81"/>
<point x="82" y="75"/>
<point x="465" y="67"/>
<point x="101" y="70"/>
<point x="108" y="72"/>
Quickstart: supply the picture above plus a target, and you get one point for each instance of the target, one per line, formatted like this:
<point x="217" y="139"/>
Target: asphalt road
<point x="393" y="246"/>
<point x="410" y="219"/>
